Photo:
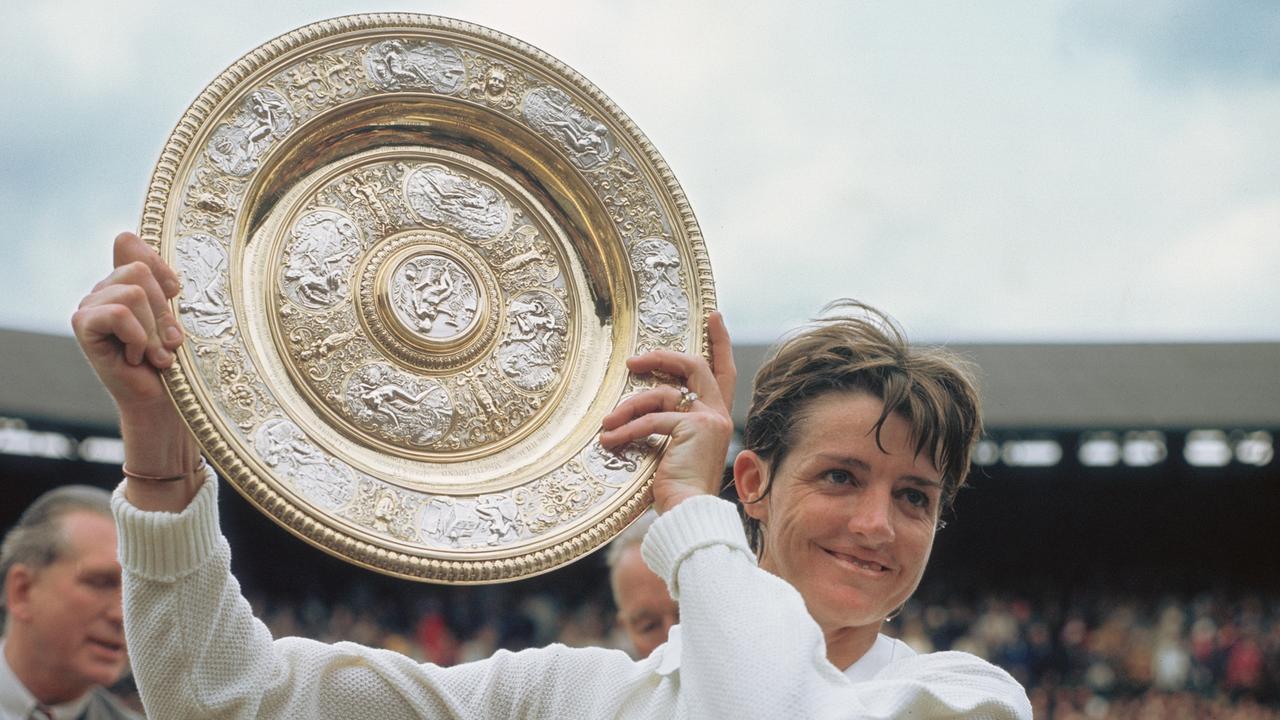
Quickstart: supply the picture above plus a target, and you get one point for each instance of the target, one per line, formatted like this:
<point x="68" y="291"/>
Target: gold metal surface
<point x="415" y="255"/>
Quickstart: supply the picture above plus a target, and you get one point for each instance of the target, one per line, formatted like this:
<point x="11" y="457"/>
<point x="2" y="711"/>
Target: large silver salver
<point x="415" y="255"/>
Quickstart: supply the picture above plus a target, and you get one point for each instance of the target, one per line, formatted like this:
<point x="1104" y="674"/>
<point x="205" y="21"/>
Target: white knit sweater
<point x="748" y="647"/>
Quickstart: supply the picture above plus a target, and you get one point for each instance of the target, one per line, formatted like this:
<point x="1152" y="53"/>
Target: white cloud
<point x="981" y="171"/>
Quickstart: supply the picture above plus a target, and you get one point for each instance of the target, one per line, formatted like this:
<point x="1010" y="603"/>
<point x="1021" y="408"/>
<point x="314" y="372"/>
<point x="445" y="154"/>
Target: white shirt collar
<point x="17" y="701"/>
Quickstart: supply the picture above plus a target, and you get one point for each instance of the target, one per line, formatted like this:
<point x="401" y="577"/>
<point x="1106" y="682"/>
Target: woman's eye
<point x="916" y="498"/>
<point x="838" y="477"/>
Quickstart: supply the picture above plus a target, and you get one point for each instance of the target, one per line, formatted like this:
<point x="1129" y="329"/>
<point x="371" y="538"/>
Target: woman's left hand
<point x="700" y="430"/>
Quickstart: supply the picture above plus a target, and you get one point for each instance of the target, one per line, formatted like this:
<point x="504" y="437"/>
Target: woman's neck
<point x="847" y="645"/>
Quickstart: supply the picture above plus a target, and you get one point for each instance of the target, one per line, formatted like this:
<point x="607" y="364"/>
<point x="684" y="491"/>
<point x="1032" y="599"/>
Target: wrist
<point x="162" y="462"/>
<point x="157" y="442"/>
<point x="668" y="501"/>
<point x="184" y="475"/>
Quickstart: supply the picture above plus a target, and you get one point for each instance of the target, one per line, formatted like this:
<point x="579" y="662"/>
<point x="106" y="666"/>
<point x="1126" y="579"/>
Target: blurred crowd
<point x="1089" y="656"/>
<point x="1103" y="656"/>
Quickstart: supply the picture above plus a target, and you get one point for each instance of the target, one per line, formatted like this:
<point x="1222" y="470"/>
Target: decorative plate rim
<point x="221" y="453"/>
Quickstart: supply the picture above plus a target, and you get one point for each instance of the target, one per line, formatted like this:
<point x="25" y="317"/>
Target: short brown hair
<point x="855" y="347"/>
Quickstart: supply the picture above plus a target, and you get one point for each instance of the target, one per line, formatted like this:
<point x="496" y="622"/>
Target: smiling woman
<point x="849" y="521"/>
<point x="843" y="489"/>
<point x="855" y="443"/>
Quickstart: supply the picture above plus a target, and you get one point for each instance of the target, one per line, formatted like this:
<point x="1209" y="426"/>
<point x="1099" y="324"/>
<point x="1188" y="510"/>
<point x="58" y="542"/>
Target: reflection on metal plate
<point x="415" y="255"/>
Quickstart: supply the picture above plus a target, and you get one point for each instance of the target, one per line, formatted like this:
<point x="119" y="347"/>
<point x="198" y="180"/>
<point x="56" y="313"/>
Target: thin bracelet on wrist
<point x="163" y="478"/>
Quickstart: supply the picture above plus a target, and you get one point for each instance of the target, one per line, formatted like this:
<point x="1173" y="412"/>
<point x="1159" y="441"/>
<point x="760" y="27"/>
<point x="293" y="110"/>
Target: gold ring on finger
<point x="687" y="399"/>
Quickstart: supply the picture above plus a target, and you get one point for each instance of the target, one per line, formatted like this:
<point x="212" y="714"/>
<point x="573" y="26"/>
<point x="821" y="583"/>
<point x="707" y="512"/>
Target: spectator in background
<point x="645" y="608"/>
<point x="64" y="632"/>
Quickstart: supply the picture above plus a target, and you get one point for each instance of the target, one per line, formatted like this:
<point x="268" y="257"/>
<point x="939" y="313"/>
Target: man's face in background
<point x="645" y="608"/>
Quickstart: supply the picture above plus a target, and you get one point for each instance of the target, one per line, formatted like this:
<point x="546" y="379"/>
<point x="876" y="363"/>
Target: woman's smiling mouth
<point x="864" y="566"/>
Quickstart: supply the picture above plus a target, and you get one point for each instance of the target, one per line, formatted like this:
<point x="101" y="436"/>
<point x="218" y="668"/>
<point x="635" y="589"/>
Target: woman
<point x="854" y="445"/>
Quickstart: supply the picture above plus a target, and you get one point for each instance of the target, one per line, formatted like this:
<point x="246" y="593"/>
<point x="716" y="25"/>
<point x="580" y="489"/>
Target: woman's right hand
<point x="128" y="333"/>
<point x="700" y="429"/>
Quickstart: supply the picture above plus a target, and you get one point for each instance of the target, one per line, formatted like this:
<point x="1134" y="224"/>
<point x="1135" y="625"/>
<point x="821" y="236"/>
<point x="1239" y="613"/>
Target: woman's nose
<point x="872" y="517"/>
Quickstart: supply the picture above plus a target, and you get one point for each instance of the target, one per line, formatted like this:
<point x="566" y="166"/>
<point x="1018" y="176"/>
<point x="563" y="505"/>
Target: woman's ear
<point x="750" y="478"/>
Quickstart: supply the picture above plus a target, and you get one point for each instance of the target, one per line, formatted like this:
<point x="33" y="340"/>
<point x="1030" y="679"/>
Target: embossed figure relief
<point x="488" y="408"/>
<point x="318" y="261"/>
<point x="485" y="521"/>
<point x="384" y="510"/>
<point x="236" y="146"/>
<point x="557" y="498"/>
<point x="321" y="479"/>
<point x="400" y="65"/>
<point x="398" y="406"/>
<point x="664" y="307"/>
<point x="550" y="111"/>
<point x="245" y="400"/>
<point x="369" y="193"/>
<point x="534" y="346"/>
<point x="495" y="83"/>
<point x="211" y="202"/>
<point x="610" y="466"/>
<point x="435" y="295"/>
<point x="526" y="259"/>
<point x="323" y="80"/>
<point x="205" y="306"/>
<point x="443" y="197"/>
<point x="628" y="198"/>
<point x="423" y="298"/>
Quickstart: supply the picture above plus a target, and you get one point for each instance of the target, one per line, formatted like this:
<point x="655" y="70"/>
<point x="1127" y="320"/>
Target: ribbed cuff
<point x="693" y="524"/>
<point x="164" y="546"/>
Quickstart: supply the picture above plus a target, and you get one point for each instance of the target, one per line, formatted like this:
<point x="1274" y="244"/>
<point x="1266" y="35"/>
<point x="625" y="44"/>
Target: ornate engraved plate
<point x="415" y="256"/>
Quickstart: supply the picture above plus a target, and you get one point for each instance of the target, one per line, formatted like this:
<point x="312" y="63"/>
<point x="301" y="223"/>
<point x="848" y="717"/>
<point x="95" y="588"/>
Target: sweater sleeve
<point x="751" y="650"/>
<point x="198" y="651"/>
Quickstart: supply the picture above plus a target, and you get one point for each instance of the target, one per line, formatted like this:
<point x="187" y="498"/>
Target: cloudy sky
<point x="985" y="171"/>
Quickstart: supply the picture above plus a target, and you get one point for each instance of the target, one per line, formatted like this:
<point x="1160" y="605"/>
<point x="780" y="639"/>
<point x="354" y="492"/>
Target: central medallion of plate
<point x="434" y="296"/>
<point x="426" y="301"/>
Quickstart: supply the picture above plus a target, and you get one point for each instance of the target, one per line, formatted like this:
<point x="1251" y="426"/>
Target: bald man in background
<point x="645" y="608"/>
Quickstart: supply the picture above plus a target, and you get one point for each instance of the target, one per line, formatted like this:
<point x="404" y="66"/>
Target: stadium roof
<point x="1237" y="385"/>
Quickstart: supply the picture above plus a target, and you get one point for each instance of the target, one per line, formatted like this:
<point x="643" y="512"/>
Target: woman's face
<point x="847" y="524"/>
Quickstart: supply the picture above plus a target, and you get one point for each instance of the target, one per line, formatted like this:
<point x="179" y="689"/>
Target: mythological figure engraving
<point x="525" y="259"/>
<point x="534" y="346"/>
<point x="487" y="520"/>
<point x="236" y="146"/>
<point x="664" y="307"/>
<point x="495" y="83"/>
<point x="318" y="261"/>
<point x="629" y="199"/>
<point x="245" y="399"/>
<point x="319" y="477"/>
<point x="398" y="406"/>
<point x="555" y="499"/>
<point x="385" y="510"/>
<point x="550" y="111"/>
<point x="204" y="305"/>
<point x="442" y="196"/>
<point x="322" y="80"/>
<point x="434" y="295"/>
<point x="397" y="65"/>
<point x="367" y="190"/>
<point x="613" y="467"/>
